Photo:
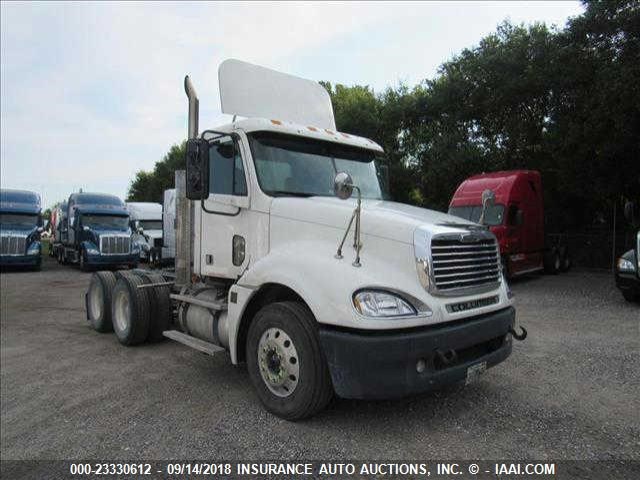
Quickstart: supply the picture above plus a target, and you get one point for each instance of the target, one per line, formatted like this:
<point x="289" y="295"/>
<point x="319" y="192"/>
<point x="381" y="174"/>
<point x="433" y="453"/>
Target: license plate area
<point x="475" y="371"/>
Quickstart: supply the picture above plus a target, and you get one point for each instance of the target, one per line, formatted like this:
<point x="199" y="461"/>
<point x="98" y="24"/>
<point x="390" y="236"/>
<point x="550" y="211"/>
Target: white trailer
<point x="146" y="225"/>
<point x="289" y="258"/>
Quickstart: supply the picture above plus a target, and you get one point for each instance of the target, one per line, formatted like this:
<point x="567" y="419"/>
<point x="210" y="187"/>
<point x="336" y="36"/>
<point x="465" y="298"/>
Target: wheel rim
<point x="278" y="362"/>
<point x="122" y="310"/>
<point x="96" y="299"/>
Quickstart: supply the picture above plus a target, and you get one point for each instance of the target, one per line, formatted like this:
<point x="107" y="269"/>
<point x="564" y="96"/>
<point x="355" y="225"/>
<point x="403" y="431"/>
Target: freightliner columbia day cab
<point x="94" y="231"/>
<point x="145" y="220"/>
<point x="290" y="258"/>
<point x="20" y="228"/>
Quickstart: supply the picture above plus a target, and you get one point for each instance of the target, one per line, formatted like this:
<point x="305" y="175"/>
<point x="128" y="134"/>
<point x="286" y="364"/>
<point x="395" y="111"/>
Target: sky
<point x="90" y="93"/>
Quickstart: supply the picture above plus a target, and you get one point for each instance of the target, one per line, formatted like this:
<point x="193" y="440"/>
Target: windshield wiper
<point x="286" y="193"/>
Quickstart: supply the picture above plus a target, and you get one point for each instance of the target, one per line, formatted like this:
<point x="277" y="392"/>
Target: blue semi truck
<point x="94" y="231"/>
<point x="20" y="228"/>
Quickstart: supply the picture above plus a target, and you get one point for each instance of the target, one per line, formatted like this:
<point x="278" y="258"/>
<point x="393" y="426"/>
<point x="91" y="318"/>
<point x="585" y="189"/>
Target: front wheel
<point x="630" y="296"/>
<point x="83" y="261"/>
<point x="285" y="361"/>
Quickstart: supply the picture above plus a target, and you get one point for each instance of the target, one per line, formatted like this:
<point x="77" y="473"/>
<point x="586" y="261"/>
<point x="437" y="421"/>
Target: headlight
<point x="625" y="265"/>
<point x="34" y="249"/>
<point x="92" y="250"/>
<point x="374" y="303"/>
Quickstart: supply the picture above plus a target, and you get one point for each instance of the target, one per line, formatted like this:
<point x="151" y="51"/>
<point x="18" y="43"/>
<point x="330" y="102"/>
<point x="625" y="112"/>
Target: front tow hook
<point x="518" y="336"/>
<point x="447" y="357"/>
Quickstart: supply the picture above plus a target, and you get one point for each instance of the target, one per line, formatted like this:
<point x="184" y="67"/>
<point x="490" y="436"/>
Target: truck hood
<point x="390" y="220"/>
<point x="153" y="233"/>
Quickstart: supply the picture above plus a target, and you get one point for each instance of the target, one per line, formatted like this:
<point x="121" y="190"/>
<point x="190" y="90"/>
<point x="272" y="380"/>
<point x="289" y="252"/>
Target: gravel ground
<point x="571" y="391"/>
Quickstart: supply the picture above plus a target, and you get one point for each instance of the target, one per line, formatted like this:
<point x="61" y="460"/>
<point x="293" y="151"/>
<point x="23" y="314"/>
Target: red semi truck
<point x="516" y="218"/>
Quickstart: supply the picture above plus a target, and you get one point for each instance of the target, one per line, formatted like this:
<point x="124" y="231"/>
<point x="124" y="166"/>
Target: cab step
<point x="193" y="342"/>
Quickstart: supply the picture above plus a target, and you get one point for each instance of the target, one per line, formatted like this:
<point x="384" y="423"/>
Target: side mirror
<point x="343" y="185"/>
<point x="488" y="201"/>
<point x="197" y="160"/>
<point x="85" y="228"/>
<point x="488" y="198"/>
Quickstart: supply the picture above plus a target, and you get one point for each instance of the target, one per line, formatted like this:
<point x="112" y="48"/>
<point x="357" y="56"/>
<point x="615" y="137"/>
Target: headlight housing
<point x="34" y="249"/>
<point x="382" y="304"/>
<point x="625" y="265"/>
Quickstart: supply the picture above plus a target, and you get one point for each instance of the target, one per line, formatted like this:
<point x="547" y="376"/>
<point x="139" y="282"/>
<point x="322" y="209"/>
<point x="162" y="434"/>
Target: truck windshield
<point x="111" y="222"/>
<point x="151" y="224"/>
<point x="287" y="165"/>
<point x="20" y="220"/>
<point x="493" y="216"/>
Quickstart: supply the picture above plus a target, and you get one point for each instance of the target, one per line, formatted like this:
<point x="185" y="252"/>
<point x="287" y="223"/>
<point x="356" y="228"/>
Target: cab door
<point x="224" y="215"/>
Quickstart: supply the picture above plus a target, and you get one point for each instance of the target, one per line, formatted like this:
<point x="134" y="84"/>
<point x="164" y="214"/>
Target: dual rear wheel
<point x="116" y="303"/>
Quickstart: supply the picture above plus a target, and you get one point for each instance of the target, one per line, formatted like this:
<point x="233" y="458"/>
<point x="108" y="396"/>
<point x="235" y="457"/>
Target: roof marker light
<point x="329" y="131"/>
<point x="276" y="122"/>
<point x="344" y="135"/>
<point x="313" y="129"/>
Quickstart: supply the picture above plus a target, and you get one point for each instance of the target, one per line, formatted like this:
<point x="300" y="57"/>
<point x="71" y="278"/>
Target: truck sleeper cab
<point x="516" y="219"/>
<point x="357" y="295"/>
<point x="20" y="228"/>
<point x="95" y="231"/>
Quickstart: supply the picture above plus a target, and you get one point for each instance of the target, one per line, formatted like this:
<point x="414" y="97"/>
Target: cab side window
<point x="226" y="171"/>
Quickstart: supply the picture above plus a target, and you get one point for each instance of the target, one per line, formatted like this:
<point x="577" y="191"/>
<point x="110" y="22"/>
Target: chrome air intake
<point x="12" y="244"/>
<point x="458" y="263"/>
<point x="115" y="244"/>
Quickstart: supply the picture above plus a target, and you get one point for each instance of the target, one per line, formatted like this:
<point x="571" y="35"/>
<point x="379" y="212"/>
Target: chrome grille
<point x="13" y="244"/>
<point x="464" y="265"/>
<point x="114" y="244"/>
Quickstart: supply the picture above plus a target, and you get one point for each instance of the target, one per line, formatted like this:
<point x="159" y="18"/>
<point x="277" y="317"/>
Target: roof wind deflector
<point x="252" y="91"/>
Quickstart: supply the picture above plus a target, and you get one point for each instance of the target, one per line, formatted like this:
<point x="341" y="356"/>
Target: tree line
<point x="564" y="101"/>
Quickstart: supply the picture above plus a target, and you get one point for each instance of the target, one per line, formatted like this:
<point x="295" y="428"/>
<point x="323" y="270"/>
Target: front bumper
<point x="20" y="260"/>
<point x="375" y="365"/>
<point x="128" y="259"/>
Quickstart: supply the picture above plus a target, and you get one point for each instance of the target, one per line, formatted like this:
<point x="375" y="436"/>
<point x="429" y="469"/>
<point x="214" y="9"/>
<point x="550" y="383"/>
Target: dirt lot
<point x="570" y="391"/>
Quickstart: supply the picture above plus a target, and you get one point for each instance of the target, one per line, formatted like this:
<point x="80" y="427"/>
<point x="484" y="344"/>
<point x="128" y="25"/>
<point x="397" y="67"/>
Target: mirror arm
<point x="356" y="233"/>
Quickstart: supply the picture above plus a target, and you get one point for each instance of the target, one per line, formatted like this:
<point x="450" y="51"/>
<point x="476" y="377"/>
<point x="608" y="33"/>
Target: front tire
<point x="630" y="296"/>
<point x="285" y="361"/>
<point x="83" y="261"/>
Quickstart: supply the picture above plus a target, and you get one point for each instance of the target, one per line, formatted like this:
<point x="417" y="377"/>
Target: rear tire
<point x="130" y="308"/>
<point x="99" y="301"/>
<point x="552" y="261"/>
<point x="630" y="296"/>
<point x="160" y="315"/>
<point x="285" y="361"/>
<point x="565" y="259"/>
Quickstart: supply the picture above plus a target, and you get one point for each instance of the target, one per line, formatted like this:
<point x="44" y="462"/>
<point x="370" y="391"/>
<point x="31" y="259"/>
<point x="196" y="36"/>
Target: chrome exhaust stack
<point x="184" y="207"/>
<point x="194" y="107"/>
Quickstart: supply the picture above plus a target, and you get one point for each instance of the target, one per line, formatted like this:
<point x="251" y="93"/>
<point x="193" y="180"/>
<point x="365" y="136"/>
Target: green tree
<point x="150" y="186"/>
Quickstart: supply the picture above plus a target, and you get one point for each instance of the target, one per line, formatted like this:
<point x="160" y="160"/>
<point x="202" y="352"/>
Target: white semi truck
<point x="145" y="219"/>
<point x="289" y="258"/>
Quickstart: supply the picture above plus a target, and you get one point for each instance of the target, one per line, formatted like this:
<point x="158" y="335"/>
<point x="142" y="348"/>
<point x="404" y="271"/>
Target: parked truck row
<point x="289" y="259"/>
